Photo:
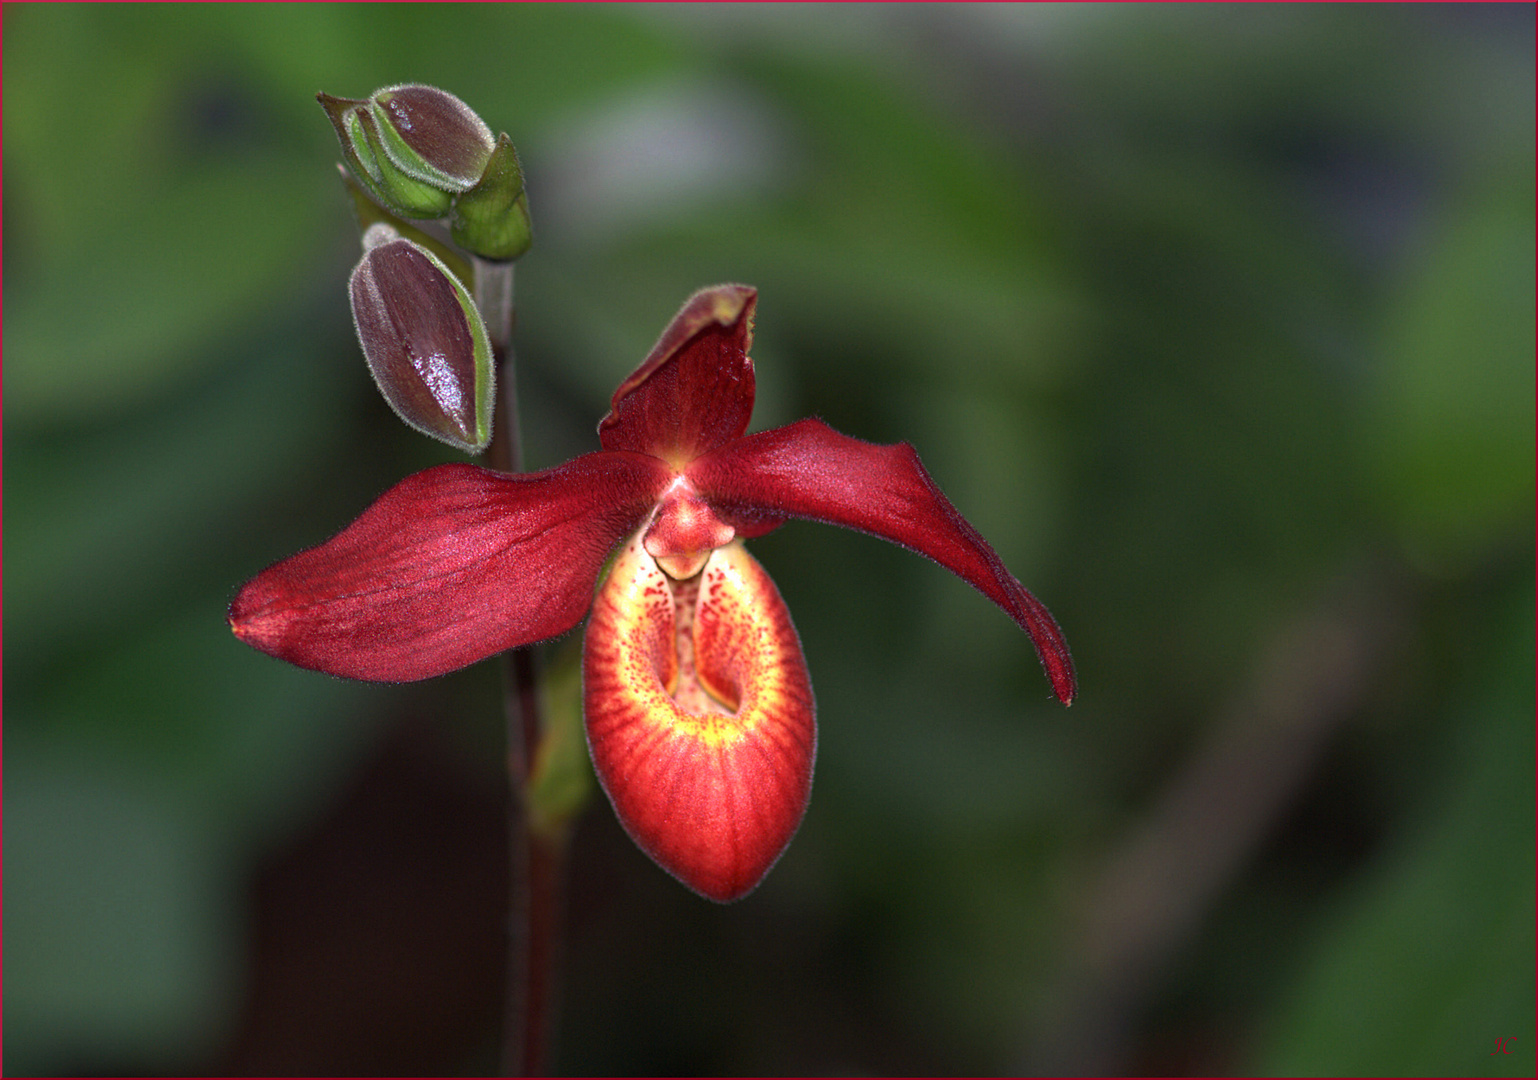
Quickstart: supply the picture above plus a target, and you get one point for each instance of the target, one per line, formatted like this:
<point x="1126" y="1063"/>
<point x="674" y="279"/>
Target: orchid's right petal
<point x="448" y="567"/>
<point x="808" y="470"/>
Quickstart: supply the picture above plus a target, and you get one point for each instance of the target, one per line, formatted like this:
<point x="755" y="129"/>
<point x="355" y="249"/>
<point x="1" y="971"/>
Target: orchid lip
<point x="700" y="716"/>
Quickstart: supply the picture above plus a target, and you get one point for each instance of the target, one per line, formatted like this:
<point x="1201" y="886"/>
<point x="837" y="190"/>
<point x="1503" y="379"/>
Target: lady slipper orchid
<point x="699" y="709"/>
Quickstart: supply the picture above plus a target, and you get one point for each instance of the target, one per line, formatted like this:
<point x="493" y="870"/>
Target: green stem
<point x="536" y="862"/>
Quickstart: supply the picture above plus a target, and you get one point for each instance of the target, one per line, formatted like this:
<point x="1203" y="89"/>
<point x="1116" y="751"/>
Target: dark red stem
<point x="536" y="863"/>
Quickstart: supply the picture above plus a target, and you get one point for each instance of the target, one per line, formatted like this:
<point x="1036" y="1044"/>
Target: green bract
<point x="492" y="218"/>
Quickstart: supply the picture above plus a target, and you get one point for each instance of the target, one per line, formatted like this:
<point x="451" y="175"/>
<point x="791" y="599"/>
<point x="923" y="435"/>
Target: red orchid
<point x="698" y="706"/>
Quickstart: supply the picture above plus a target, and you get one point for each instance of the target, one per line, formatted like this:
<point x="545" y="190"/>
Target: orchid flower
<point x="698" y="706"/>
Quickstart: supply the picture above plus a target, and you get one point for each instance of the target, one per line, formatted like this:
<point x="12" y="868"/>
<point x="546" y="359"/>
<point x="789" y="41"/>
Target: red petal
<point x="700" y="717"/>
<point x="808" y="470"/>
<point x="694" y="391"/>
<point x="448" y="567"/>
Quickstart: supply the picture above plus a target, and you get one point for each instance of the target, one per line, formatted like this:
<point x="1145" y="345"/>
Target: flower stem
<point x="536" y="862"/>
<point x="494" y="298"/>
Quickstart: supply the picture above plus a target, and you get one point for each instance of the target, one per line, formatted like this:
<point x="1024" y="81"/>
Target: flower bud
<point x="413" y="147"/>
<point x="364" y="151"/>
<point x="424" y="340"/>
<point x="492" y="218"/>
<point x="432" y="135"/>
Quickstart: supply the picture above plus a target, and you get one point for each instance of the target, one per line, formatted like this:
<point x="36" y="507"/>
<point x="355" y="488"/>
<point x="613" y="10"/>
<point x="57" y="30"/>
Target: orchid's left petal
<point x="694" y="391"/>
<point x="448" y="567"/>
<point x="700" y="716"/>
<point x="808" y="470"/>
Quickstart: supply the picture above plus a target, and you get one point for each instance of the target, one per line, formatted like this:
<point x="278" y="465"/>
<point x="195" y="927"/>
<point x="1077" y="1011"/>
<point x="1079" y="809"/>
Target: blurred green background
<point x="1217" y="322"/>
